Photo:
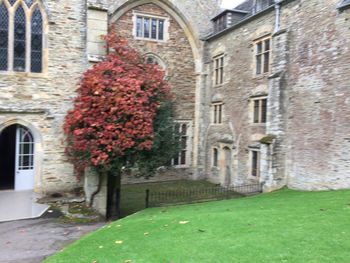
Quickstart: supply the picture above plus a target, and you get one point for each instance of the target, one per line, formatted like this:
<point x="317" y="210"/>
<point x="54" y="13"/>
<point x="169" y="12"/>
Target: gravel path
<point x="31" y="241"/>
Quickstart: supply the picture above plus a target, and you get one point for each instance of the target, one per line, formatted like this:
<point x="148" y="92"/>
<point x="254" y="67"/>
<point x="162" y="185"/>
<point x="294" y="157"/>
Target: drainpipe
<point x="278" y="15"/>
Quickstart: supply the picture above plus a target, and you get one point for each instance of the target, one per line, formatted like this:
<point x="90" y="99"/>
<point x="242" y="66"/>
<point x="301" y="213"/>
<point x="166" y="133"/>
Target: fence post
<point x="147" y="198"/>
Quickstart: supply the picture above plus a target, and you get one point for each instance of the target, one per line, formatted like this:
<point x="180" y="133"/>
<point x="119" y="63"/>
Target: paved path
<point x="16" y="205"/>
<point x="31" y="241"/>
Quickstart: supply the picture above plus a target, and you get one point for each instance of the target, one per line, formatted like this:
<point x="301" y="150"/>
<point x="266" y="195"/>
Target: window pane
<point x="259" y="48"/>
<point x="29" y="2"/>
<point x="256" y="111"/>
<point x="4" y="24"/>
<point x="254" y="163"/>
<point x="263" y="110"/>
<point x="258" y="64"/>
<point x="37" y="41"/>
<point x="183" y="157"/>
<point x="267" y="45"/>
<point x="215" y="157"/>
<point x="20" y="40"/>
<point x="139" y="26"/>
<point x="266" y="62"/>
<point x="215" y="114"/>
<point x="154" y="29"/>
<point x="220" y="114"/>
<point x="161" y="30"/>
<point x="146" y="27"/>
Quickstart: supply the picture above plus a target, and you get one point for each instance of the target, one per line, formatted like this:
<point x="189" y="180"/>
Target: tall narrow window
<point x="255" y="165"/>
<point x="182" y="131"/>
<point x="215" y="157"/>
<point x="4" y="33"/>
<point x="19" y="62"/>
<point x="36" y="41"/>
<point x="219" y="70"/>
<point x="262" y="56"/>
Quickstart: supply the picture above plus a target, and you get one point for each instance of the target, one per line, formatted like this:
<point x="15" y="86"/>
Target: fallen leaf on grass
<point x="128" y="261"/>
<point x="201" y="230"/>
<point x="146" y="233"/>
<point x="119" y="242"/>
<point x="100" y="247"/>
<point x="184" y="222"/>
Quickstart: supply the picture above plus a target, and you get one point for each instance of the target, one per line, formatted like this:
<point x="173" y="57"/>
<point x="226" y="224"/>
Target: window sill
<point x="184" y="166"/>
<point x="150" y="40"/>
<point x="258" y="124"/>
<point x="23" y="74"/>
<point x="261" y="76"/>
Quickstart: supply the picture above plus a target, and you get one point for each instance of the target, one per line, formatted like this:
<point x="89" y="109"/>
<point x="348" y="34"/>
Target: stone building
<point x="262" y="93"/>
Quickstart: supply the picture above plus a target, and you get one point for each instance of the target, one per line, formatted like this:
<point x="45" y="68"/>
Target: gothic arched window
<point x="21" y="42"/>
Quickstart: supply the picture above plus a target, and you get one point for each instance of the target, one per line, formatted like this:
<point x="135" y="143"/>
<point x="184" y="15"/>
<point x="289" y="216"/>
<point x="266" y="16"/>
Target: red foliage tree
<point x="115" y="109"/>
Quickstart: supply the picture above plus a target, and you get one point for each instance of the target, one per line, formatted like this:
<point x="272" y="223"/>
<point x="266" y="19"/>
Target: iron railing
<point x="187" y="196"/>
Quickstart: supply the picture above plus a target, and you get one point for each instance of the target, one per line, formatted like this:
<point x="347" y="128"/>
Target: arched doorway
<point x="17" y="158"/>
<point x="227" y="167"/>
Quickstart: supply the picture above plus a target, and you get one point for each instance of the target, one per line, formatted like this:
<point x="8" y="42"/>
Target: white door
<point x="24" y="177"/>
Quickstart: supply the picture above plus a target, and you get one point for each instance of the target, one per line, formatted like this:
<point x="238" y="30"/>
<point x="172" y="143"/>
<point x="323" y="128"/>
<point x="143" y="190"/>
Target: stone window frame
<point x="254" y="163"/>
<point x="218" y="70"/>
<point x="45" y="28"/>
<point x="188" y="149"/>
<point x="217" y="113"/>
<point x="262" y="114"/>
<point x="150" y="16"/>
<point x="262" y="71"/>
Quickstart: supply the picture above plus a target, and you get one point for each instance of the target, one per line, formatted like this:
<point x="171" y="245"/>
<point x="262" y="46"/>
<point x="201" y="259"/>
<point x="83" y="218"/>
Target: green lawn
<point x="284" y="226"/>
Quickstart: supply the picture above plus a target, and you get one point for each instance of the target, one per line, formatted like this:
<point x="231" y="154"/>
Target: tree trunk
<point x="113" y="195"/>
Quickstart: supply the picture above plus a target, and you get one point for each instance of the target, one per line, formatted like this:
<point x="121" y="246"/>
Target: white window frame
<point x="189" y="135"/>
<point x="150" y="16"/>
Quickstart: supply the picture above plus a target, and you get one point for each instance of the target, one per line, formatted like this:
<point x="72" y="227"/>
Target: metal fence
<point x="173" y="197"/>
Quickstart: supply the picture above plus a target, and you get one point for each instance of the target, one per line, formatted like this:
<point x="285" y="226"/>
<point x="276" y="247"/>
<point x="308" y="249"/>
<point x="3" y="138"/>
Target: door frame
<point x="38" y="149"/>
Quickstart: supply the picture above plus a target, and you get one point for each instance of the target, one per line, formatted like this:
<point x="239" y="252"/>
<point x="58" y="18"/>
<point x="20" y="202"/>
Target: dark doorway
<point x="7" y="157"/>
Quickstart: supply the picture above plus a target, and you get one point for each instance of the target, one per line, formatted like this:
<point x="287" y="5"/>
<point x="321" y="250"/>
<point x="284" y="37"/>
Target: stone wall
<point x="318" y="147"/>
<point x="42" y="99"/>
<point x="237" y="134"/>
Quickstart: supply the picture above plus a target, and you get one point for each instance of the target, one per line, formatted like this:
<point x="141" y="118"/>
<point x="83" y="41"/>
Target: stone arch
<point x="174" y="12"/>
<point x="38" y="150"/>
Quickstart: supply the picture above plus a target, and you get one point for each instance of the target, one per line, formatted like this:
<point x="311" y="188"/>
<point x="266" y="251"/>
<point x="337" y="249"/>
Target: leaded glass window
<point x="21" y="49"/>
<point x="149" y="27"/>
<point x="4" y="25"/>
<point x="36" y="41"/>
<point x="19" y="57"/>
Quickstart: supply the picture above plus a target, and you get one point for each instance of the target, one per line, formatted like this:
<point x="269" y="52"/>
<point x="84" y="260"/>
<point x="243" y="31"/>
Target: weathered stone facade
<point x="304" y="142"/>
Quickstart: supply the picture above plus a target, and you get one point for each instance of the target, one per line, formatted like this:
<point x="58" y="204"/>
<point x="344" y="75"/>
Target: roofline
<point x="229" y="10"/>
<point x="244" y="21"/>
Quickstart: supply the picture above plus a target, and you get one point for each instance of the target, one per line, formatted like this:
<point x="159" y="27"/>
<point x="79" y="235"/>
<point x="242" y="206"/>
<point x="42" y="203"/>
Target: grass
<point x="284" y="226"/>
<point x="133" y="196"/>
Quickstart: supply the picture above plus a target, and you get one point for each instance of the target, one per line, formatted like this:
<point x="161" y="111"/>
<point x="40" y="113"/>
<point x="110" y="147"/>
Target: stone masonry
<point x="305" y="141"/>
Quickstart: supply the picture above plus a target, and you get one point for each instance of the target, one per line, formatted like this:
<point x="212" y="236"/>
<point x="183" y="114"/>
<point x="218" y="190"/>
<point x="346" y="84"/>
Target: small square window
<point x="217" y="113"/>
<point x="260" y="110"/>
